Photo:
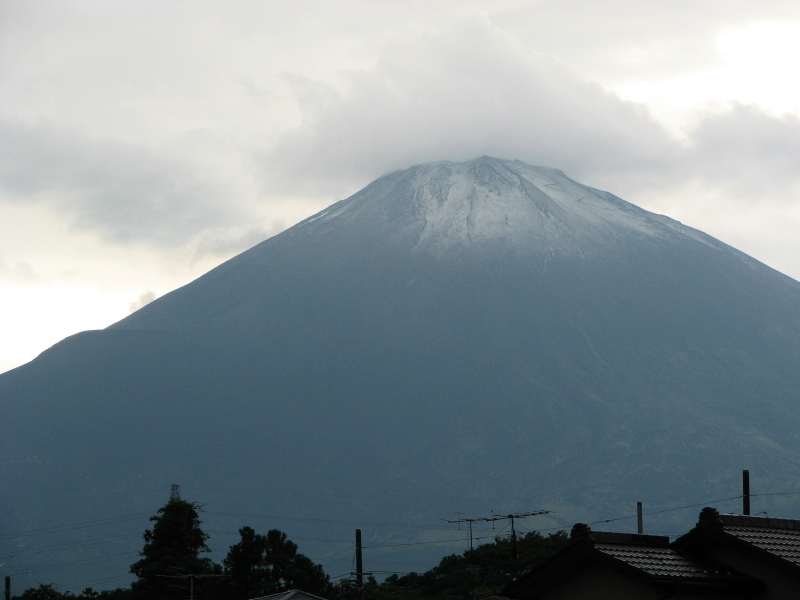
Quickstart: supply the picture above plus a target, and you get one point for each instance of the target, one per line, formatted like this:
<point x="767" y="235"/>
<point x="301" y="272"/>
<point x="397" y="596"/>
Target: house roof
<point x="777" y="540"/>
<point x="653" y="555"/>
<point x="780" y="537"/>
<point x="290" y="595"/>
<point x="661" y="562"/>
<point x="647" y="558"/>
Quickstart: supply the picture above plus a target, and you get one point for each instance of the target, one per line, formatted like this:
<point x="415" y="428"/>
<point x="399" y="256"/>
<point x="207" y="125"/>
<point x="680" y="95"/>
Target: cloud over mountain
<point x="463" y="90"/>
<point x="127" y="193"/>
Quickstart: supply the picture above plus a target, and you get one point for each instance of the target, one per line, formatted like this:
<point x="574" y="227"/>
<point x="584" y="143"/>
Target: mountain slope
<point x="488" y="333"/>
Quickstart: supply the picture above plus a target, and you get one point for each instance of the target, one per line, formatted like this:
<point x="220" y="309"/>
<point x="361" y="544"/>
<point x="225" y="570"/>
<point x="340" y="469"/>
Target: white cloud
<point x="143" y="300"/>
<point x="458" y="92"/>
<point x="20" y="272"/>
<point x="467" y="89"/>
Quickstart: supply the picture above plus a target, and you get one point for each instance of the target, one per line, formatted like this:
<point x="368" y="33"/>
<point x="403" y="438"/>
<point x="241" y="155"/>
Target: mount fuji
<point x="455" y="336"/>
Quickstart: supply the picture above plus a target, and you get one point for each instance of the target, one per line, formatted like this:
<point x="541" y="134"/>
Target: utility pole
<point x="175" y="492"/>
<point x="359" y="564"/>
<point x="8" y="588"/>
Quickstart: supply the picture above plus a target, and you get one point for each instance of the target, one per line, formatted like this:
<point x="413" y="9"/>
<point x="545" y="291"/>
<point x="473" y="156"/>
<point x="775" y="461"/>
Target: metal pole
<point x="514" y="548"/>
<point x="745" y="492"/>
<point x="639" y="517"/>
<point x="470" y="534"/>
<point x="359" y="565"/>
<point x="8" y="587"/>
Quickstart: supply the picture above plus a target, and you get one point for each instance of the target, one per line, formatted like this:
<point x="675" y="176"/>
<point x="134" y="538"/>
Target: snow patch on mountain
<point x="443" y="208"/>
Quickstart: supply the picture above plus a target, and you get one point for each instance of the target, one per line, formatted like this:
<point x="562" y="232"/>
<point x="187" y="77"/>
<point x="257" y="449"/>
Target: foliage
<point x="45" y="591"/>
<point x="48" y="591"/>
<point x="266" y="564"/>
<point x="478" y="573"/>
<point x="171" y="553"/>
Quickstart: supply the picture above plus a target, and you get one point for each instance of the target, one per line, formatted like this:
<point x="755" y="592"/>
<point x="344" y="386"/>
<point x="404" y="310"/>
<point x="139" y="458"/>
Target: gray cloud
<point x="457" y="93"/>
<point x="749" y="153"/>
<point x="468" y="90"/>
<point x="234" y="240"/>
<point x="431" y="92"/>
<point x="126" y="193"/>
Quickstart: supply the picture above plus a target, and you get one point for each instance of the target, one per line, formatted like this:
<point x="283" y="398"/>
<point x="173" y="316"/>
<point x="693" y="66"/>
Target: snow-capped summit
<point x="444" y="206"/>
<point x="467" y="213"/>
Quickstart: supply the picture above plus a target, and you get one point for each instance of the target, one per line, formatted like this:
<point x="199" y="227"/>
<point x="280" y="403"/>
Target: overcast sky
<point x="142" y="143"/>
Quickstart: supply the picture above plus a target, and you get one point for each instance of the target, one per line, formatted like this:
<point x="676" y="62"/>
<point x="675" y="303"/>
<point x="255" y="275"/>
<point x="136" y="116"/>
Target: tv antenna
<point x="509" y="517"/>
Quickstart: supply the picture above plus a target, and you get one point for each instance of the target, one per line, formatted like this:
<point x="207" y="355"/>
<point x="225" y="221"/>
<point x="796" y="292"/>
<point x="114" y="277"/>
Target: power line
<point x="655" y="512"/>
<point x="59" y="528"/>
<point x="89" y="581"/>
<point x="272" y="490"/>
<point x="69" y="545"/>
<point x="422" y="543"/>
<point x="775" y="494"/>
<point x="76" y="562"/>
<point x="334" y="521"/>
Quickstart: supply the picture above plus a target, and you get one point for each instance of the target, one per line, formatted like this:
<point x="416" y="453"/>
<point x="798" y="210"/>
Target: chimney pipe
<point x="745" y="492"/>
<point x="639" y="517"/>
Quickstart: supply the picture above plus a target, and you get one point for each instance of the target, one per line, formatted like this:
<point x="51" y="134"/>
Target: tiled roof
<point x="650" y="559"/>
<point x="662" y="561"/>
<point x="278" y="596"/>
<point x="780" y="537"/>
<point x="290" y="594"/>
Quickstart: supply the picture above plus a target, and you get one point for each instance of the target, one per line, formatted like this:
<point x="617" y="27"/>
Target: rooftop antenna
<point x="509" y="517"/>
<point x="469" y="523"/>
<point x="175" y="492"/>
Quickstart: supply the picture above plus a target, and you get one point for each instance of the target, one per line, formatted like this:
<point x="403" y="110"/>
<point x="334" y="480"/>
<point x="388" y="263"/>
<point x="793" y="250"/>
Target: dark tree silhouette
<point x="171" y="550"/>
<point x="266" y="564"/>
<point x="478" y="573"/>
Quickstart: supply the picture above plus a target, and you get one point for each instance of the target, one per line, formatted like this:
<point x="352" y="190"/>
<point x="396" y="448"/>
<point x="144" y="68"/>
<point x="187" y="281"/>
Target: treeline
<point x="478" y="573"/>
<point x="172" y="565"/>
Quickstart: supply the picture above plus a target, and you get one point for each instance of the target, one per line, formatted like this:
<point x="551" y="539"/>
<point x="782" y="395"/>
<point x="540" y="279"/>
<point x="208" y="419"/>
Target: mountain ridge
<point x="360" y="354"/>
<point x="427" y="220"/>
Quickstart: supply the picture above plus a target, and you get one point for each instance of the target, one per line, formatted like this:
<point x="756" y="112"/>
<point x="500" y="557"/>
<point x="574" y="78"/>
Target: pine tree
<point x="171" y="550"/>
